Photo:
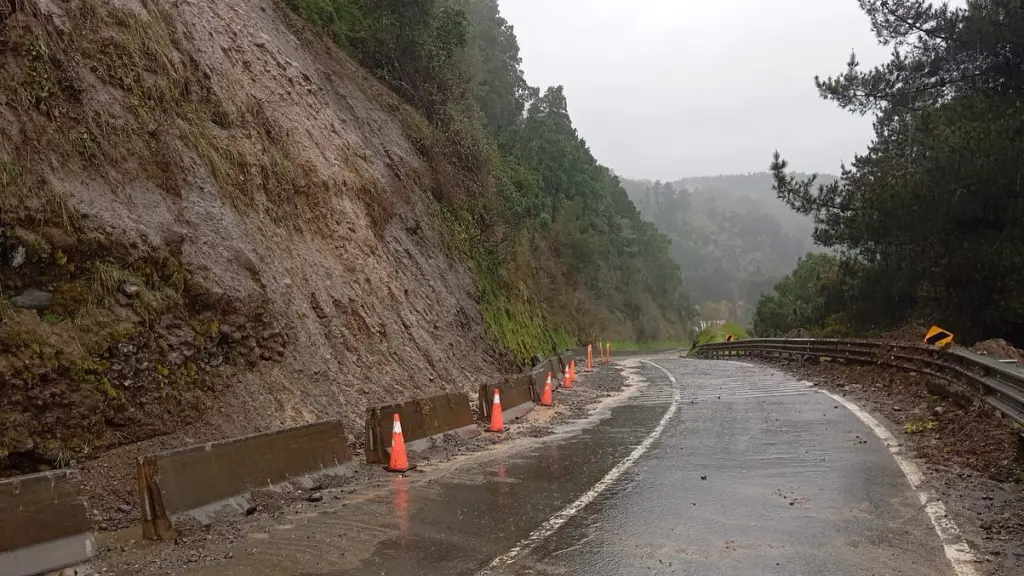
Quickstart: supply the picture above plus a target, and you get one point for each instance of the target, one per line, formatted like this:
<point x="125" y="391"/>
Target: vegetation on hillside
<point x="551" y="236"/>
<point x="810" y="298"/>
<point x="928" y="223"/>
<point x="733" y="238"/>
<point x="718" y="333"/>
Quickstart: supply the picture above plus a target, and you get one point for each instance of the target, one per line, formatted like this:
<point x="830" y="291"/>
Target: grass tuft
<point x="918" y="426"/>
<point x="718" y="333"/>
<point x="106" y="278"/>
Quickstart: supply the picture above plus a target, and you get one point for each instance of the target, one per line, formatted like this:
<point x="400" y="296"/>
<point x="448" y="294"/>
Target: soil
<point x="970" y="451"/>
<point x="228" y="533"/>
<point x="911" y="333"/>
<point x="263" y="197"/>
<point x="999" y="348"/>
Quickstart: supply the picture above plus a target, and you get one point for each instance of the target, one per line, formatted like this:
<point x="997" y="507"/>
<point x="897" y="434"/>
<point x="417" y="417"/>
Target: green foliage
<point x="718" y="333"/>
<point x="563" y="340"/>
<point x="557" y="249"/>
<point x="412" y="45"/>
<point x="731" y="235"/>
<point x="803" y="299"/>
<point x="633" y="346"/>
<point x="918" y="426"/>
<point x="928" y="220"/>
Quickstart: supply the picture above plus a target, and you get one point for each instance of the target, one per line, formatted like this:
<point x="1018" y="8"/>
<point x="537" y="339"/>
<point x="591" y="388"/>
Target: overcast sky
<point x="672" y="88"/>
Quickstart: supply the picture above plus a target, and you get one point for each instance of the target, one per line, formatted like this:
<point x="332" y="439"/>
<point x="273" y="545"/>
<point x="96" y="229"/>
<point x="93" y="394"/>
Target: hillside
<point x="222" y="218"/>
<point x="232" y="226"/>
<point x="732" y="237"/>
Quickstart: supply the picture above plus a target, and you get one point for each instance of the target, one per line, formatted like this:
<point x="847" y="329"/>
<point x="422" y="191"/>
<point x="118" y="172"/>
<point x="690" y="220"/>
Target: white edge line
<point x="957" y="550"/>
<point x="555" y="522"/>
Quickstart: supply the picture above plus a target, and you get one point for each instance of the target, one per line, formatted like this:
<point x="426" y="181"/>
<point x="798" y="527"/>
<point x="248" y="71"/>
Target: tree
<point x="933" y="210"/>
<point x="807" y="298"/>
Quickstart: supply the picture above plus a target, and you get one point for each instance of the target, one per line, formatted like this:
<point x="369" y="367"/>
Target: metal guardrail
<point x="1000" y="385"/>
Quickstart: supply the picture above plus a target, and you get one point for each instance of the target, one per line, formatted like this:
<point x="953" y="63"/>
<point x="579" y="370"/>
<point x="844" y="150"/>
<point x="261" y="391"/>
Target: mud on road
<point x="971" y="453"/>
<point x="236" y="544"/>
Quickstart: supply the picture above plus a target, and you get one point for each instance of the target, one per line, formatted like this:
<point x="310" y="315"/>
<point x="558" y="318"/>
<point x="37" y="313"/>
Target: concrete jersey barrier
<point x="539" y="375"/>
<point x="44" y="525"/>
<point x="201" y="479"/>
<point x="421" y="421"/>
<point x="518" y="397"/>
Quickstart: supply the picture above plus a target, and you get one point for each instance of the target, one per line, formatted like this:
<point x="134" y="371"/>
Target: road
<point x="756" y="475"/>
<point x="729" y="469"/>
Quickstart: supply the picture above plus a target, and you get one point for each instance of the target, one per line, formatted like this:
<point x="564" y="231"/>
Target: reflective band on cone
<point x="399" y="459"/>
<point x="497" y="423"/>
<point x="545" y="397"/>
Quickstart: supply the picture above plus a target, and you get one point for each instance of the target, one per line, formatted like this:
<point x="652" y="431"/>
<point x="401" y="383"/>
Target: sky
<point x="664" y="89"/>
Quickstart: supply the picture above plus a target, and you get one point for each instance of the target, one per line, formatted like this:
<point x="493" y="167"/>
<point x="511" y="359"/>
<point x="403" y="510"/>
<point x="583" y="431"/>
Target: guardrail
<point x="1000" y="385"/>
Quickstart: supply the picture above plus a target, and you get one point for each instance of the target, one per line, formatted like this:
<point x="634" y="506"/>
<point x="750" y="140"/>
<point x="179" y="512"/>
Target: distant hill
<point x="731" y="235"/>
<point x="741" y="189"/>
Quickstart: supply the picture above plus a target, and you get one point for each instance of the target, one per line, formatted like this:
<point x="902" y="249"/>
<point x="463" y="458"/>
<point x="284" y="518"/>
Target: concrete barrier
<point x="44" y="525"/>
<point x="569" y="357"/>
<point x="556" y="368"/>
<point x="422" y="420"/>
<point x="539" y="375"/>
<point x="518" y="397"/>
<point x="199" y="480"/>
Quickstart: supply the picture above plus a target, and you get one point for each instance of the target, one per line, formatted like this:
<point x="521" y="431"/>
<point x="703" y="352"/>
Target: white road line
<point x="555" y="522"/>
<point x="724" y="397"/>
<point x="957" y="550"/>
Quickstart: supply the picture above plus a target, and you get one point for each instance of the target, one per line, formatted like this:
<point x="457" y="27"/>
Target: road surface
<point x="730" y="469"/>
<point x="756" y="475"/>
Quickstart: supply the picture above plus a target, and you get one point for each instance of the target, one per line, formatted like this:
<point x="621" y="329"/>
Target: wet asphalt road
<point x="794" y="486"/>
<point x="457" y="525"/>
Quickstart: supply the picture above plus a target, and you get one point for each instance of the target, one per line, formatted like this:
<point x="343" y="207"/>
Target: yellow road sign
<point x="939" y="337"/>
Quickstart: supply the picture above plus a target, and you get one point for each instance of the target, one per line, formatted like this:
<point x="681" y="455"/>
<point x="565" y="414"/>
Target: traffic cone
<point x="590" y="356"/>
<point x="545" y="397"/>
<point x="566" y="379"/>
<point x="497" y="423"/>
<point x="572" y="371"/>
<point x="399" y="459"/>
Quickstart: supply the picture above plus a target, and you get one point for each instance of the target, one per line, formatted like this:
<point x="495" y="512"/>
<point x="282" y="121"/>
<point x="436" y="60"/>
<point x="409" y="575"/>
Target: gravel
<point x="226" y="536"/>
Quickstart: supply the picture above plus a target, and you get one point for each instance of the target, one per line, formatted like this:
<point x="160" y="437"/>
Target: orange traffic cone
<point x="545" y="397"/>
<point x="566" y="379"/>
<point x="572" y="372"/>
<point x="399" y="459"/>
<point x="590" y="356"/>
<point x="497" y="423"/>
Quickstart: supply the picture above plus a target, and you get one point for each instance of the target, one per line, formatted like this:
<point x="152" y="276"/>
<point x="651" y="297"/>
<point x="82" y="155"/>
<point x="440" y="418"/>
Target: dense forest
<point x="551" y="235"/>
<point x="732" y="237"/>
<point x="928" y="224"/>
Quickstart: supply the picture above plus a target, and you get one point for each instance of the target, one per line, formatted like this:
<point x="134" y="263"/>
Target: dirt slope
<point x="225" y="227"/>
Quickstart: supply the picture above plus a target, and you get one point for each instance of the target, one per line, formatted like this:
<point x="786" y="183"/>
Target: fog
<point x="672" y="88"/>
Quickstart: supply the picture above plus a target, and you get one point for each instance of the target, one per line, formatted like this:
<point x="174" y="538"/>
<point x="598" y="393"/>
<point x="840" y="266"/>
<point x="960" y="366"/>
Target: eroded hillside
<point x="212" y="223"/>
